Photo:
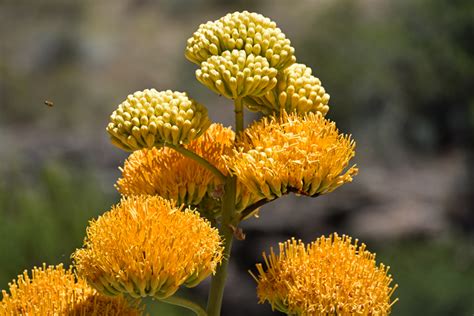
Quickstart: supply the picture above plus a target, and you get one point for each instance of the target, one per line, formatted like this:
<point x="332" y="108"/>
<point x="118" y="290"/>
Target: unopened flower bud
<point x="237" y="74"/>
<point x="150" y="118"/>
<point x="297" y="91"/>
<point x="251" y="32"/>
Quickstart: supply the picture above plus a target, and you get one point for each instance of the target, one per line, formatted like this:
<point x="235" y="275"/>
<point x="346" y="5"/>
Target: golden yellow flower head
<point x="297" y="91"/>
<point x="167" y="173"/>
<point x="331" y="276"/>
<point x="291" y="153"/>
<point x="145" y="246"/>
<point x="150" y="118"/>
<point x="251" y="32"/>
<point x="237" y="74"/>
<point x="54" y="290"/>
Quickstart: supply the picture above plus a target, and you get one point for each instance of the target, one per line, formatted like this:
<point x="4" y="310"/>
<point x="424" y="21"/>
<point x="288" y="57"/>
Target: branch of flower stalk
<point x="251" y="208"/>
<point x="190" y="154"/>
<point x="183" y="302"/>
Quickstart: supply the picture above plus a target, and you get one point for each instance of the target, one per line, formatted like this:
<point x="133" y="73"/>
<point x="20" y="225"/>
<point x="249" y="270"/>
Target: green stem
<point x="239" y="115"/>
<point x="188" y="153"/>
<point x="216" y="293"/>
<point x="183" y="302"/>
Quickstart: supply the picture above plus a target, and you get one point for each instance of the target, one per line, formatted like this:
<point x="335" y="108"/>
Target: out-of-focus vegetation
<point x="44" y="215"/>
<point x="410" y="62"/>
<point x="400" y="75"/>
<point x="435" y="277"/>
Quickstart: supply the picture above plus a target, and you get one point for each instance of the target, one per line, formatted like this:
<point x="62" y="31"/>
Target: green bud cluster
<point x="297" y="91"/>
<point x="251" y="32"/>
<point x="237" y="74"/>
<point x="150" y="118"/>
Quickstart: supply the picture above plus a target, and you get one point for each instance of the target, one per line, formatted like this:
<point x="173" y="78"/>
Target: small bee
<point x="49" y="103"/>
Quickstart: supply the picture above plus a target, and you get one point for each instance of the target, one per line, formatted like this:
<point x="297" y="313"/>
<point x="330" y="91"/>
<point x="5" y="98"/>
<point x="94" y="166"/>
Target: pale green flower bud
<point x="237" y="74"/>
<point x="297" y="91"/>
<point x="150" y="118"/>
<point x="247" y="31"/>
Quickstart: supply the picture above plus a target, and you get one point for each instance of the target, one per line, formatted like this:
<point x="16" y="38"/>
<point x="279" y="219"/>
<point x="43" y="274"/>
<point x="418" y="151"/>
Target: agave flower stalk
<point x="229" y="221"/>
<point x="189" y="183"/>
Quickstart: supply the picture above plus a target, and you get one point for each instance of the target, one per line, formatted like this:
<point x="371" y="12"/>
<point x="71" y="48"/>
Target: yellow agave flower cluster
<point x="145" y="246"/>
<point x="291" y="153"/>
<point x="243" y="56"/>
<point x="53" y="290"/>
<point x="331" y="276"/>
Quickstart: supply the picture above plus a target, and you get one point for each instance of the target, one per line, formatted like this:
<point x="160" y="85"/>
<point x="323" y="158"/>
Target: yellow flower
<point x="250" y="32"/>
<point x="150" y="118"/>
<point x="291" y="153"/>
<point x="145" y="246"/>
<point x="167" y="173"/>
<point x="297" y="91"/>
<point x="237" y="74"/>
<point x="53" y="290"/>
<point x="330" y="276"/>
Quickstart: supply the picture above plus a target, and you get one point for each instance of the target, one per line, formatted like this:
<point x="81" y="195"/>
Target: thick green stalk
<point x="188" y="153"/>
<point x="183" y="302"/>
<point x="216" y="293"/>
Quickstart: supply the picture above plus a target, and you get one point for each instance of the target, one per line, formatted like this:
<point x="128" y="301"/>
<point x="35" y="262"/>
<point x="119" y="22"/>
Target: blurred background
<point x="401" y="79"/>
